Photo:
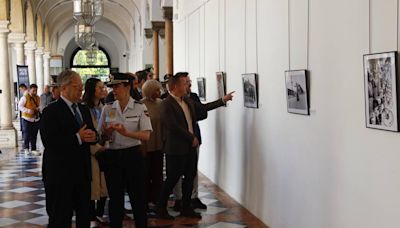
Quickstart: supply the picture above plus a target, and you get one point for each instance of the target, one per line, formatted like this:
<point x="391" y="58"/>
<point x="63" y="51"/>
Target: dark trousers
<point x="126" y="171"/>
<point x="64" y="197"/>
<point x="30" y="130"/>
<point x="178" y="166"/>
<point x="154" y="178"/>
<point x="97" y="208"/>
<point x="20" y="124"/>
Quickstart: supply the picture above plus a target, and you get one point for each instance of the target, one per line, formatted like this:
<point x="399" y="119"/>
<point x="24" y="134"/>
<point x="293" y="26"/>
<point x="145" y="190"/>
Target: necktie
<point x="76" y="114"/>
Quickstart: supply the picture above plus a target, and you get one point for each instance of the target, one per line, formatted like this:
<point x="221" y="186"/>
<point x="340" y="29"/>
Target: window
<point x="91" y="64"/>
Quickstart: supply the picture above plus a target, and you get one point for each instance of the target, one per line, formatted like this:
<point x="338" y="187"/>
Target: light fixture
<point x="88" y="11"/>
<point x="84" y="35"/>
<point x="91" y="54"/>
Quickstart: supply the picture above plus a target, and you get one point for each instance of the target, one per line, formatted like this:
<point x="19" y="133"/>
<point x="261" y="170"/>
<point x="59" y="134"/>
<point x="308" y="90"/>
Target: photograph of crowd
<point x="201" y="86"/>
<point x="221" y="84"/>
<point x="381" y="91"/>
<point x="250" y="90"/>
<point x="296" y="92"/>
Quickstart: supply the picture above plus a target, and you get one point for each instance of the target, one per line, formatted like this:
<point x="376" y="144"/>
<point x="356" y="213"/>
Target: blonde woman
<point x="154" y="157"/>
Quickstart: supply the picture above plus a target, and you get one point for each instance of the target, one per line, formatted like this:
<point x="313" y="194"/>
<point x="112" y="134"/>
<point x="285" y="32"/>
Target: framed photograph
<point x="250" y="90"/>
<point x="297" y="92"/>
<point x="201" y="86"/>
<point x="380" y="87"/>
<point x="221" y="84"/>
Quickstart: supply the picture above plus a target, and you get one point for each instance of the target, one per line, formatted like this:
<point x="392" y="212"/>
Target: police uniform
<point x="125" y="169"/>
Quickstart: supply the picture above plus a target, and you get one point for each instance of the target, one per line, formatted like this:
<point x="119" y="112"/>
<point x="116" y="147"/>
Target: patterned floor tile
<point x="42" y="202"/>
<point x="34" y="170"/>
<point x="41" y="211"/>
<point x="13" y="204"/>
<point x="42" y="220"/>
<point x="7" y="221"/>
<point x="22" y="200"/>
<point x="28" y="179"/>
<point x="226" y="225"/>
<point x="23" y="190"/>
<point x="212" y="210"/>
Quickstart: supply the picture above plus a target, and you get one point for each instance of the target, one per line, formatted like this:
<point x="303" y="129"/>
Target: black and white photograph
<point x="201" y="87"/>
<point x="221" y="84"/>
<point x="250" y="90"/>
<point x="296" y="92"/>
<point x="380" y="83"/>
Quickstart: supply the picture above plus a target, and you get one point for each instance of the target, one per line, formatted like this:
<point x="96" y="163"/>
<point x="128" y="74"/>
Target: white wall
<point x="319" y="171"/>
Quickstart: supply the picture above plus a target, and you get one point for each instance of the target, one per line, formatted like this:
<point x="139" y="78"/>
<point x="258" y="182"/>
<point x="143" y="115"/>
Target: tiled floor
<point x="22" y="202"/>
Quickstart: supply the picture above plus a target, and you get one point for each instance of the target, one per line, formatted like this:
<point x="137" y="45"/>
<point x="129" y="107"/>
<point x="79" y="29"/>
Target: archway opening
<point x="93" y="64"/>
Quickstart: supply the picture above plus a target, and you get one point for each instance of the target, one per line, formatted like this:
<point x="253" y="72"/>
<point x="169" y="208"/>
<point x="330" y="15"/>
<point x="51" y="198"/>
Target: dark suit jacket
<point x="203" y="108"/>
<point x="63" y="158"/>
<point x="177" y="140"/>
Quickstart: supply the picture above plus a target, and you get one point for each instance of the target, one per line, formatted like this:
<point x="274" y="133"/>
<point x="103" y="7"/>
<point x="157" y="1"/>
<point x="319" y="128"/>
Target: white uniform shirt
<point x="134" y="118"/>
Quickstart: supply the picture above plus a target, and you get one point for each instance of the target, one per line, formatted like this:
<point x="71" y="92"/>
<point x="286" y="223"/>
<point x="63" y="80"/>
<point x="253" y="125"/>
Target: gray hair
<point x="65" y="77"/>
<point x="150" y="87"/>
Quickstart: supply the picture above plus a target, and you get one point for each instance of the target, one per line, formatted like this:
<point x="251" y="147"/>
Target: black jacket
<point x="203" y="108"/>
<point x="177" y="140"/>
<point x="64" y="159"/>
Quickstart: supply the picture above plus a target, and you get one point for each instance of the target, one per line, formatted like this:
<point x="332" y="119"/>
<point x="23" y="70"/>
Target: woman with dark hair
<point x="126" y="124"/>
<point x="95" y="92"/>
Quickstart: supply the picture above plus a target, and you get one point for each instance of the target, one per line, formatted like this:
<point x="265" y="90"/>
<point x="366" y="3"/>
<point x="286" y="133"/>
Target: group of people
<point x="380" y="101"/>
<point x="101" y="145"/>
<point x="31" y="106"/>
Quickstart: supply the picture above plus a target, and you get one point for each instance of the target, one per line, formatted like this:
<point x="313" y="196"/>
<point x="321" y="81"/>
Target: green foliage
<point x="80" y="59"/>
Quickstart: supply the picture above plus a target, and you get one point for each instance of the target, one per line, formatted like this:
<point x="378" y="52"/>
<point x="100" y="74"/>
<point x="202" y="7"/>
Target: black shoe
<point x="197" y="204"/>
<point x="177" y="206"/>
<point x="190" y="213"/>
<point x="162" y="213"/>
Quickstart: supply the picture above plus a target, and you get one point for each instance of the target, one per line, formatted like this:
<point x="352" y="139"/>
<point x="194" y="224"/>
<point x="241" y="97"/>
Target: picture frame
<point x="297" y="94"/>
<point x="201" y="87"/>
<point x="380" y="90"/>
<point x="250" y="90"/>
<point x="221" y="84"/>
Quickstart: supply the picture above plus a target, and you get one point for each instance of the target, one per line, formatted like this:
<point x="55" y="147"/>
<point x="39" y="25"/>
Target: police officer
<point x="125" y="123"/>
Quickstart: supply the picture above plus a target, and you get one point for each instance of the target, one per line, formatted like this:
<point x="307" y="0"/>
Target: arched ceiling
<point x="57" y="15"/>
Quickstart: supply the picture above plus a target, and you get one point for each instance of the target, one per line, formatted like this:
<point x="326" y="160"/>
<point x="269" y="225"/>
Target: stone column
<point x="156" y="56"/>
<point x="30" y="48"/>
<point x="46" y="68"/>
<point x="39" y="69"/>
<point x="169" y="42"/>
<point x="8" y="136"/>
<point x="157" y="26"/>
<point x="18" y="40"/>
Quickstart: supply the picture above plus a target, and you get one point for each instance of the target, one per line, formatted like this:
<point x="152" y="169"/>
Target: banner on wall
<point x="23" y="77"/>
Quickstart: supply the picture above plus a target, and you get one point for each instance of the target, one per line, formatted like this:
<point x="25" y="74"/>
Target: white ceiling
<point x="57" y="15"/>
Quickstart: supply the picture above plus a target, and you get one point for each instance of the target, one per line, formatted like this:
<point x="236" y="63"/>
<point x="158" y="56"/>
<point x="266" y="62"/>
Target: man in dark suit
<point x="67" y="132"/>
<point x="178" y="118"/>
<point x="199" y="108"/>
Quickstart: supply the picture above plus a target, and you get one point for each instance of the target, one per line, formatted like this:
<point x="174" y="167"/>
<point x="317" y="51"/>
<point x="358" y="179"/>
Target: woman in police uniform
<point x="124" y="124"/>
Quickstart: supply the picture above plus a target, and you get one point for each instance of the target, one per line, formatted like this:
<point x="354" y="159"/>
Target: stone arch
<point x="39" y="31"/>
<point x="30" y="25"/>
<point x="3" y="10"/>
<point x="46" y="38"/>
<point x="16" y="17"/>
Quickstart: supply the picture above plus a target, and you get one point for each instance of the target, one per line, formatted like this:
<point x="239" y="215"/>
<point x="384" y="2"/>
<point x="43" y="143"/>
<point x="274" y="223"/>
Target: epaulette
<point x="138" y="102"/>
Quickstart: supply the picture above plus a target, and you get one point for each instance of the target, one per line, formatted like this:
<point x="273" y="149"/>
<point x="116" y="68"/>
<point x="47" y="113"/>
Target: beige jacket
<point x="99" y="187"/>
